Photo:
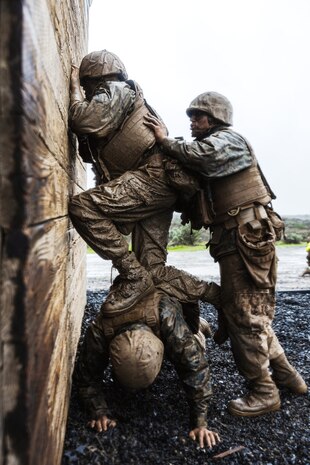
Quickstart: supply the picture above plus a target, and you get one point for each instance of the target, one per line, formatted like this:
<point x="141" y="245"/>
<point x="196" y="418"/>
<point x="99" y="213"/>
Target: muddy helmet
<point x="136" y="357"/>
<point x="102" y="63"/>
<point x="215" y="105"/>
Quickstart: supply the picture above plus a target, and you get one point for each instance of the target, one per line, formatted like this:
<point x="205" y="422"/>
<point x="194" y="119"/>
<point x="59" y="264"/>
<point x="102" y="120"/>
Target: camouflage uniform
<point x="242" y="241"/>
<point x="181" y="347"/>
<point x="139" y="201"/>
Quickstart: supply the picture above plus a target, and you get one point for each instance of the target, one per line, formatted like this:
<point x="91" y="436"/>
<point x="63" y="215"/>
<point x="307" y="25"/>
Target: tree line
<point x="297" y="230"/>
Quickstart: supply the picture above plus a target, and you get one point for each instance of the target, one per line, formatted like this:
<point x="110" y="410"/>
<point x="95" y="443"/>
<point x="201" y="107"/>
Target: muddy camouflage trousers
<point x="181" y="347"/>
<point x="140" y="202"/>
<point x="248" y="307"/>
<point x="249" y="312"/>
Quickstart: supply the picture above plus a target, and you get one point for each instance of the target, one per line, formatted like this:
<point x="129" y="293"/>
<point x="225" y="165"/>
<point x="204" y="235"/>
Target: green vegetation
<point x="297" y="229"/>
<point x="183" y="235"/>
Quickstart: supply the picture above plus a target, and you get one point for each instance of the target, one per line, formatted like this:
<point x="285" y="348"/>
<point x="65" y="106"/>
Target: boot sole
<point x="239" y="413"/>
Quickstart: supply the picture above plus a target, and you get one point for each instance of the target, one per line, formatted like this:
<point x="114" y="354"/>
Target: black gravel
<point x="153" y="425"/>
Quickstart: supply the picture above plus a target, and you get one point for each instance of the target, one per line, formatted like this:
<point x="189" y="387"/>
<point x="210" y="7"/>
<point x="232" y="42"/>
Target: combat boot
<point x="262" y="398"/>
<point x="132" y="284"/>
<point x="285" y="375"/>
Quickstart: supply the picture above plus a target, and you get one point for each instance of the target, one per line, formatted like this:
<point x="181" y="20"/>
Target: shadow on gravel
<point x="153" y="425"/>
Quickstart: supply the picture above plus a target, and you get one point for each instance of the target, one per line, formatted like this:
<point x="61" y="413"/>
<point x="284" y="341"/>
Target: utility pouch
<point x="277" y="223"/>
<point x="198" y="211"/>
<point x="257" y="250"/>
<point x="180" y="179"/>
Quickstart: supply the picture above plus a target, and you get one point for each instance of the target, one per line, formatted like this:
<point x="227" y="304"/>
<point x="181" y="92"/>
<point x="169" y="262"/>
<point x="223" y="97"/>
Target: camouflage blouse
<point x="105" y="112"/>
<point x="220" y="153"/>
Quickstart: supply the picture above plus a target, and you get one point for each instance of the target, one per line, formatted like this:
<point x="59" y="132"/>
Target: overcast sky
<point x="255" y="52"/>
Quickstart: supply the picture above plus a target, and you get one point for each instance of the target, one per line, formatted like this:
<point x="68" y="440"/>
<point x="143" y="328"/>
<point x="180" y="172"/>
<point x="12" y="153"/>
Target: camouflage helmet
<point x="215" y="105"/>
<point x="136" y="357"/>
<point x="102" y="63"/>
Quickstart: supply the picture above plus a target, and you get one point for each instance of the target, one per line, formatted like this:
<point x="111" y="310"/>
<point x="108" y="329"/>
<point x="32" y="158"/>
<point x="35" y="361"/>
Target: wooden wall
<point x="42" y="257"/>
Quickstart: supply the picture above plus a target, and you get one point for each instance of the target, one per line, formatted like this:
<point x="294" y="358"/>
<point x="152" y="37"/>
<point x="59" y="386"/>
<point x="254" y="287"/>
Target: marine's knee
<point x="78" y="204"/>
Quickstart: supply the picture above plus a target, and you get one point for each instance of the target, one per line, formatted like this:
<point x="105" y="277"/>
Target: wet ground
<point x="292" y="262"/>
<point x="153" y="425"/>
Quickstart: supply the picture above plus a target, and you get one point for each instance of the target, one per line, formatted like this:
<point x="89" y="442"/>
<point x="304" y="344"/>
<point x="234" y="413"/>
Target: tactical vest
<point x="125" y="149"/>
<point x="146" y="311"/>
<point x="237" y="190"/>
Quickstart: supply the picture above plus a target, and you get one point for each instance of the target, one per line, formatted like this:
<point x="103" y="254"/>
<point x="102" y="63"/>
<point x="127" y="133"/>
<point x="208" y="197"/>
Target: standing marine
<point x="244" y="229"/>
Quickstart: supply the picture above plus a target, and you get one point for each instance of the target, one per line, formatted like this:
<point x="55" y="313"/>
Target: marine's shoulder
<point x="229" y="135"/>
<point x="113" y="88"/>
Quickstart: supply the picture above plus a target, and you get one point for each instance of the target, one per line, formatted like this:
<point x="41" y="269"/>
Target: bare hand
<point x="205" y="437"/>
<point x="102" y="423"/>
<point x="159" y="129"/>
<point x="75" y="73"/>
<point x="76" y="93"/>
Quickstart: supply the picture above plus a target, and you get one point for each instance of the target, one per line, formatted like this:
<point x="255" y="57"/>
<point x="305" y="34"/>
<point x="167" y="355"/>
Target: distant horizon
<point x="295" y="214"/>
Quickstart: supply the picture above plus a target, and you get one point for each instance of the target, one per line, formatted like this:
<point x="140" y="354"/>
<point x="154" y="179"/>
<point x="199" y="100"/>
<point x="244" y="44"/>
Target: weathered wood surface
<point x="42" y="257"/>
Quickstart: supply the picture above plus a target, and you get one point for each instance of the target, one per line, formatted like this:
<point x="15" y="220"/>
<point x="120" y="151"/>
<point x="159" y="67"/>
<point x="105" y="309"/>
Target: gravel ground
<point x="153" y="425"/>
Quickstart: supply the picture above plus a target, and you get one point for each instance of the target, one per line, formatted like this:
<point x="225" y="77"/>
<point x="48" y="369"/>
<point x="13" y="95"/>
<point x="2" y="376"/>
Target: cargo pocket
<point x="255" y="243"/>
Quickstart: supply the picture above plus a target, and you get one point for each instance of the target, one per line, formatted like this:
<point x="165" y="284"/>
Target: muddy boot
<point x="262" y="398"/>
<point x="285" y="375"/>
<point x="221" y="334"/>
<point x="132" y="284"/>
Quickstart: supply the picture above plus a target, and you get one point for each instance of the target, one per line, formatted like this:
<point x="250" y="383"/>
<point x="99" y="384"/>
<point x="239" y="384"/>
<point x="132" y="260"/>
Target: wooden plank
<point x="45" y="275"/>
<point x="48" y="187"/>
<point x="41" y="63"/>
<point x="52" y="321"/>
<point x="43" y="259"/>
<point x="45" y="89"/>
<point x="53" y="401"/>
